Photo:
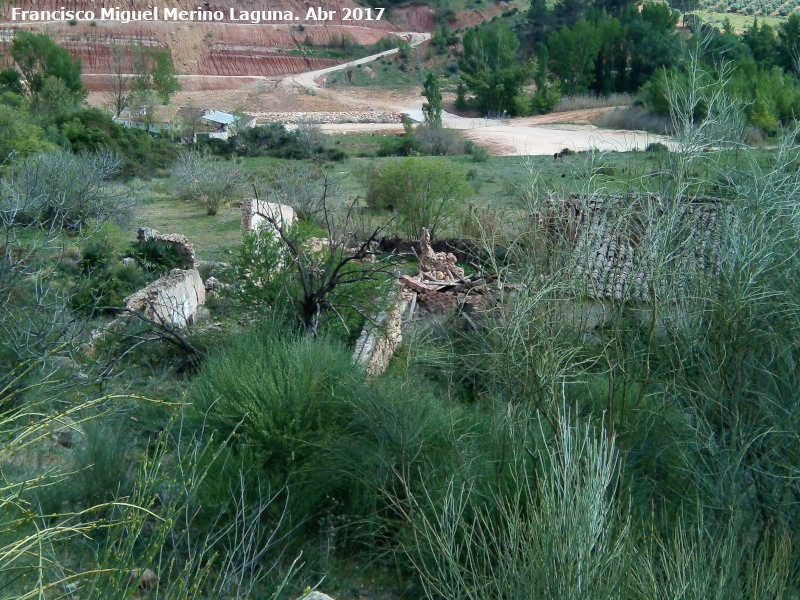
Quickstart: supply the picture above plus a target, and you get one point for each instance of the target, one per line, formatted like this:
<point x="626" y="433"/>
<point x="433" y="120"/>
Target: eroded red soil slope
<point x="222" y="48"/>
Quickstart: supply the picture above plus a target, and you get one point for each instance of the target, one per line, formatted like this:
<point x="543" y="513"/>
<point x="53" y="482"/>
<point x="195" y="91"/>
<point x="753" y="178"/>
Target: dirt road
<point x="306" y="92"/>
<point x="543" y="135"/>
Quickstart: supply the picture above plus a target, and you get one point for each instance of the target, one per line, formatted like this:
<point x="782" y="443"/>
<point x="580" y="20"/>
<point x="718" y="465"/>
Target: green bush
<point x="103" y="282"/>
<point x="105" y="291"/>
<point x="424" y="193"/>
<point x="656" y="147"/>
<point x="156" y="257"/>
<point x="282" y="392"/>
<point x="89" y="130"/>
<point x="103" y="467"/>
<point x="479" y="153"/>
<point x="306" y="417"/>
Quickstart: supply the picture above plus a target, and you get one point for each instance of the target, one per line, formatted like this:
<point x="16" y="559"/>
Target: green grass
<point x="500" y="183"/>
<point x="212" y="236"/>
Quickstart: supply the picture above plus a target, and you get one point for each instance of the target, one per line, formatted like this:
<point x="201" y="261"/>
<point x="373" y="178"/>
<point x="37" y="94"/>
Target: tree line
<point x="580" y="47"/>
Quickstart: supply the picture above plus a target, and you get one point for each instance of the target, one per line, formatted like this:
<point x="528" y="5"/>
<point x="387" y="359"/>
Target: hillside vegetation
<point x="594" y="397"/>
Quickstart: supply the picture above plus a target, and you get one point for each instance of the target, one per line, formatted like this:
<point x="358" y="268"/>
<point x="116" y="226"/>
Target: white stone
<point x="255" y="215"/>
<point x="173" y="299"/>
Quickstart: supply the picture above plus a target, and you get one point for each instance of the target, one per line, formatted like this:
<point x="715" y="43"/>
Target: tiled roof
<point x="623" y="247"/>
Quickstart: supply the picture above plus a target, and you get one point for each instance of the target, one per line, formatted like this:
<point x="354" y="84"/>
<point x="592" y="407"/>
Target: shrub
<point x="288" y="397"/>
<point x="438" y="141"/>
<point x="552" y="529"/>
<point x="103" y="469"/>
<point x="656" y="147"/>
<point x="585" y="101"/>
<point x="479" y="153"/>
<point x="305" y="416"/>
<point x="156" y="257"/>
<point x="281" y="391"/>
<point x="405" y="145"/>
<point x="201" y="178"/>
<point x="67" y="191"/>
<point x="635" y="118"/>
<point x="105" y="290"/>
<point x="424" y="193"/>
<point x="91" y="130"/>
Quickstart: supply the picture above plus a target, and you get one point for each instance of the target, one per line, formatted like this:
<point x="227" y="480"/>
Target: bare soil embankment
<point x="220" y="48"/>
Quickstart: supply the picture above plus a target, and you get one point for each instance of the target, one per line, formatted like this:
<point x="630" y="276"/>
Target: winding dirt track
<point x="306" y="92"/>
<point x="543" y="135"/>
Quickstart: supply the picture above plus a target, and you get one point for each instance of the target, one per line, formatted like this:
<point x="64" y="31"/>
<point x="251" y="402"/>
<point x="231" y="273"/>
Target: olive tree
<point x="204" y="179"/>
<point x="48" y="203"/>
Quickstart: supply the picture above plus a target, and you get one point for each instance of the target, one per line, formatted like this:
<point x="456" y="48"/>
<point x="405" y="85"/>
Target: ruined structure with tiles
<point x="625" y="247"/>
<point x="184" y="249"/>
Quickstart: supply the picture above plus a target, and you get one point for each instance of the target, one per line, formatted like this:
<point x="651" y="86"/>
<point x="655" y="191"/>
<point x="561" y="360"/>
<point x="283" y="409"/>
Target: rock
<point x="129" y="262"/>
<point x="66" y="432"/>
<point x="200" y="315"/>
<point x="146" y="233"/>
<point x="318" y="244"/>
<point x="255" y="214"/>
<point x="173" y="299"/>
<point x="146" y="579"/>
<point x="315" y="596"/>
<point x="211" y="266"/>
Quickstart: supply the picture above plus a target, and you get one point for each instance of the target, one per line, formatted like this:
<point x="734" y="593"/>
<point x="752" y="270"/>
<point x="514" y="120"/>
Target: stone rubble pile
<point x="324" y="118"/>
<point x="439" y="287"/>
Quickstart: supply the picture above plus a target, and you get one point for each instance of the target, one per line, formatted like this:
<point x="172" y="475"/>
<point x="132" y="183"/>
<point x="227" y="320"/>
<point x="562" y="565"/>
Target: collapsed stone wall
<point x="184" y="249"/>
<point x="378" y="341"/>
<point x="256" y="215"/>
<point x="438" y="289"/>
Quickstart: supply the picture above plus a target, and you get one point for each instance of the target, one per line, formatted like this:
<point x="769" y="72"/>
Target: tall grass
<point x="635" y="118"/>
<point x="587" y="101"/>
<point x="554" y="531"/>
<point x="92" y="531"/>
<point x="697" y="383"/>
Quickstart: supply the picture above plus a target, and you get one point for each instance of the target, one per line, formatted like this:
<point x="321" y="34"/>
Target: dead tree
<point x="341" y="261"/>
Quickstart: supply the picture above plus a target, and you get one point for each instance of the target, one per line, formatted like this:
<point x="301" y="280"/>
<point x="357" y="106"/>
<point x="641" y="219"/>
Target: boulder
<point x="315" y="596"/>
<point x="173" y="299"/>
<point x="65" y="432"/>
<point x="145" y="579"/>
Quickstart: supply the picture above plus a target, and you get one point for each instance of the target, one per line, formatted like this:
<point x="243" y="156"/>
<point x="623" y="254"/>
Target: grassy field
<point x="212" y="236"/>
<point x="502" y="183"/>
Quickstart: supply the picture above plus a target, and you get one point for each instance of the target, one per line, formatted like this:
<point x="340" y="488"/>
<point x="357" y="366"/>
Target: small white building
<point x="149" y="118"/>
<point x="161" y="119"/>
<point x="223" y="121"/>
